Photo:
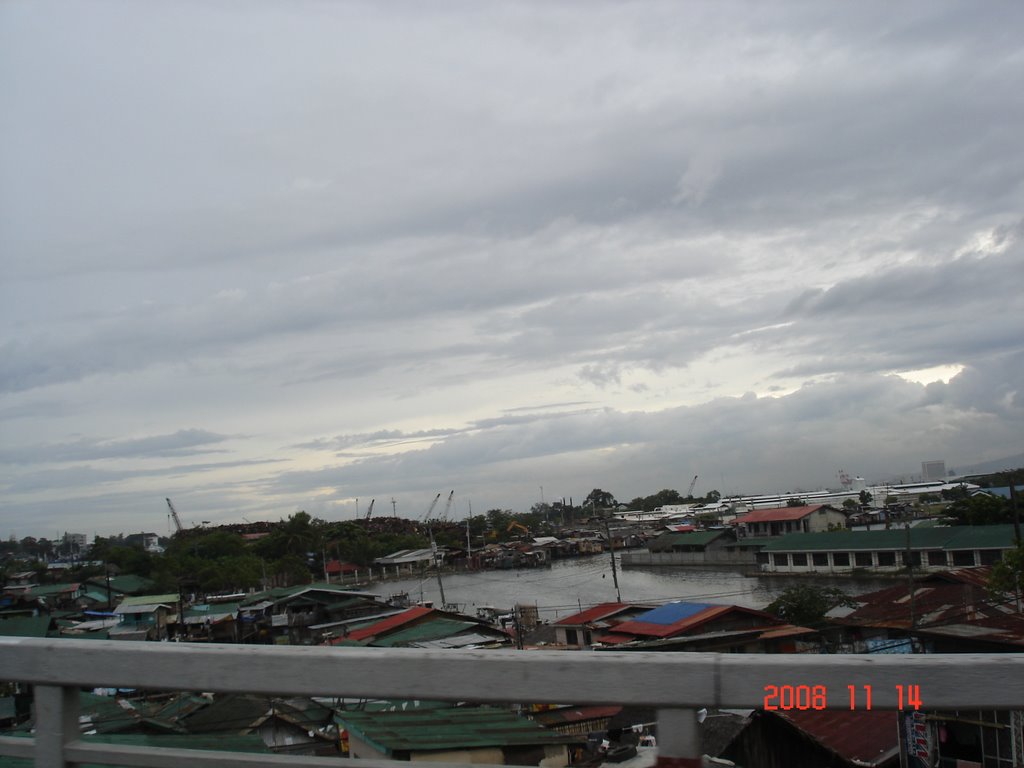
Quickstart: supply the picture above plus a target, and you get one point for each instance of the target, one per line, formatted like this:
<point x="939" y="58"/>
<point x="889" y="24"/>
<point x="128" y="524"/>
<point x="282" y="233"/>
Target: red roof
<point x="589" y="616"/>
<point x="391" y="622"/>
<point x="779" y="515"/>
<point x="866" y="737"/>
<point x="335" y="566"/>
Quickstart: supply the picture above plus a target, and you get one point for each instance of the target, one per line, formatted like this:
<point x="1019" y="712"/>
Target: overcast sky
<point x="261" y="257"/>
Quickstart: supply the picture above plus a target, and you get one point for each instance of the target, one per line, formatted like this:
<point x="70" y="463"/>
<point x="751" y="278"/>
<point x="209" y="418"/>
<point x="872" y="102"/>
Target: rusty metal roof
<point x="866" y="737"/>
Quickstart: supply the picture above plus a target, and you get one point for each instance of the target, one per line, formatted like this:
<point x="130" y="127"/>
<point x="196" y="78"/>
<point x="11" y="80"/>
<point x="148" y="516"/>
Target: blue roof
<point x="672" y="612"/>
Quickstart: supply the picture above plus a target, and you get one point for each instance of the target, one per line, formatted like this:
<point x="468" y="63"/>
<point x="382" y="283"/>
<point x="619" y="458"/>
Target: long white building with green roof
<point x="844" y="552"/>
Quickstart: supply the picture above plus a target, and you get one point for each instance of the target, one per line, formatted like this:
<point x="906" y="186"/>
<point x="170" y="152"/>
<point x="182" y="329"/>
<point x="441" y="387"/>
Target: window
<point x="862" y="559"/>
<point x="991" y="556"/>
<point x="887" y="558"/>
<point x="937" y="557"/>
<point x="799" y="558"/>
<point x="762" y="558"/>
<point x="781" y="559"/>
<point x="963" y="557"/>
<point x="571" y="637"/>
<point x="820" y="559"/>
<point x="841" y="559"/>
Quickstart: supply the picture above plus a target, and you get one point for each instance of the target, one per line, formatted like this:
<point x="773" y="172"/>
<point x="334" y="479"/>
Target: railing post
<point x="678" y="739"/>
<point x="56" y="724"/>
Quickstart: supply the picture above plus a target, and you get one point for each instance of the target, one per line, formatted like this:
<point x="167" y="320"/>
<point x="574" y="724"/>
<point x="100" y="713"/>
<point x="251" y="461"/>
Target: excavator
<point x="514" y="526"/>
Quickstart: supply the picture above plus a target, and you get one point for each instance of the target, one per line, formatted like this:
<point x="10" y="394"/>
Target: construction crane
<point x="448" y="506"/>
<point x="430" y="510"/>
<point x="369" y="510"/>
<point x="174" y="514"/>
<point x="689" y="492"/>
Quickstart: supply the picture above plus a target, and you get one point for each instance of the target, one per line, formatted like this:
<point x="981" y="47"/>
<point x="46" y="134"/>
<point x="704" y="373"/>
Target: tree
<point x="981" y="509"/>
<point x="1007" y="577"/>
<point x="851" y="505"/>
<point x="794" y="501"/>
<point x="598" y="499"/>
<point x="865" y="498"/>
<point x="713" y="497"/>
<point x="806" y="604"/>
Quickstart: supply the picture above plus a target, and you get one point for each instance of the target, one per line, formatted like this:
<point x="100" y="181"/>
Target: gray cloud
<point x="382" y="259"/>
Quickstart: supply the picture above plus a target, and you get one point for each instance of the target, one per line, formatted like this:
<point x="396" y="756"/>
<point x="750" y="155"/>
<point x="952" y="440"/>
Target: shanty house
<point x="577" y="631"/>
<point x="486" y="735"/>
<point x="681" y="625"/>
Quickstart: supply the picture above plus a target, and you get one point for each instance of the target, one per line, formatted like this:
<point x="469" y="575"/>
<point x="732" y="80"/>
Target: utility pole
<point x="1016" y="510"/>
<point x="394" y="512"/>
<point x="910" y="580"/>
<point x="611" y="550"/>
<point x="437" y="565"/>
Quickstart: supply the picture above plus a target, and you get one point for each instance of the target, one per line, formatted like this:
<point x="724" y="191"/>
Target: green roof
<point x="127" y="583"/>
<point x="29" y="626"/>
<point x="462" y="727"/>
<point x="669" y="541"/>
<point x="438" y="629"/>
<point x="44" y="590"/>
<point x="170" y="598"/>
<point x="952" y="537"/>
<point x="279" y="593"/>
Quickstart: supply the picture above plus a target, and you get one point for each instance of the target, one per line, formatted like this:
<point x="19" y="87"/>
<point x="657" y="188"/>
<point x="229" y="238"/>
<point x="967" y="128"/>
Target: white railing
<point x="677" y="684"/>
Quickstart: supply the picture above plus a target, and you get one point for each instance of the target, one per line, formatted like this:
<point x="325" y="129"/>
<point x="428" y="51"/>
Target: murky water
<point x="571" y="585"/>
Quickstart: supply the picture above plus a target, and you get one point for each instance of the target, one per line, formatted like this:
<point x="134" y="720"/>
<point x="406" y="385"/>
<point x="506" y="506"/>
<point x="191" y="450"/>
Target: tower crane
<point x="174" y="514"/>
<point x="689" y="492"/>
<point x="369" y="510"/>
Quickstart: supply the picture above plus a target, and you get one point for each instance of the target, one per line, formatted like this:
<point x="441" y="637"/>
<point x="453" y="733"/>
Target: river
<point x="574" y="584"/>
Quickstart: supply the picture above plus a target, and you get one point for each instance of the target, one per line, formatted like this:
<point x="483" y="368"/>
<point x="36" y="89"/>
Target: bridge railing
<point x="676" y="684"/>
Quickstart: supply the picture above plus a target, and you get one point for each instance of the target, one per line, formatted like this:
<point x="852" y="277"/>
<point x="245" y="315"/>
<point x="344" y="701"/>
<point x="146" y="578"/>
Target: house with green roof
<point x="457" y="735"/>
<point x="712" y="548"/>
<point x="144" y="617"/>
<point x="928" y="549"/>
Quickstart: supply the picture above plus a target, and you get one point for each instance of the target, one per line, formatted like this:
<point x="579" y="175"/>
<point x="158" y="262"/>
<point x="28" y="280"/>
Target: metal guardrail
<point x="677" y="684"/>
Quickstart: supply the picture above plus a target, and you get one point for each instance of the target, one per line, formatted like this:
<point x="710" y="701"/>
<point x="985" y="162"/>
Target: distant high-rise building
<point x="933" y="470"/>
<point x="77" y="540"/>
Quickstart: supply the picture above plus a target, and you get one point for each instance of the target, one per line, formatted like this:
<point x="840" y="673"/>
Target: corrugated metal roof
<point x="168" y="599"/>
<point x="668" y="541"/>
<point x="430" y="630"/>
<point x="25" y="626"/>
<point x="562" y="715"/>
<point x="953" y="537"/>
<point x="693" y="615"/>
<point x="389" y="623"/>
<point x="419" y="730"/>
<point x="597" y="613"/>
<point x="778" y="515"/>
<point x="867" y="737"/>
<point x="670" y="613"/>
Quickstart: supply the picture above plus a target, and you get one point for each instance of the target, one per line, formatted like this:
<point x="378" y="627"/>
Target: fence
<point x="676" y="684"/>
